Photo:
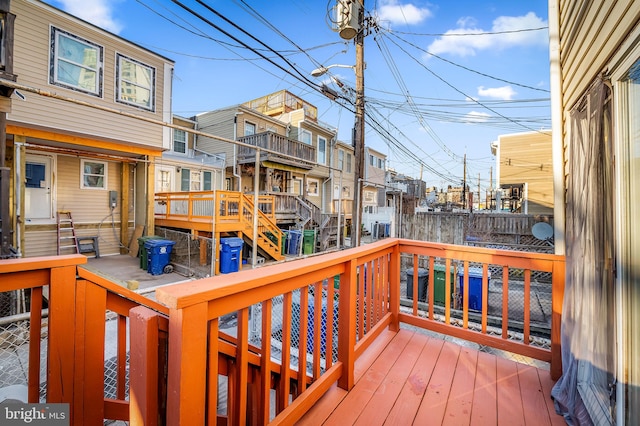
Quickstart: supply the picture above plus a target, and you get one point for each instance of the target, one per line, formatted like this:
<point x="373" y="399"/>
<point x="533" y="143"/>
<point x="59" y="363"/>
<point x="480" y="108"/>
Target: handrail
<point x="368" y="300"/>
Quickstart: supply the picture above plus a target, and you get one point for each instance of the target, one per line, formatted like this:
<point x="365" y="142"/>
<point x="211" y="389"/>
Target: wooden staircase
<point x="269" y="235"/>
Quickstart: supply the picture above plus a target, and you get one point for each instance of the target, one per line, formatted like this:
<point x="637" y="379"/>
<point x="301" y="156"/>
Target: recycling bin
<point x="230" y="254"/>
<point x="308" y="241"/>
<point x="439" y="284"/>
<point x="159" y="252"/>
<point x="142" y="250"/>
<point x="423" y="280"/>
<point x="294" y="241"/>
<point x="475" y="287"/>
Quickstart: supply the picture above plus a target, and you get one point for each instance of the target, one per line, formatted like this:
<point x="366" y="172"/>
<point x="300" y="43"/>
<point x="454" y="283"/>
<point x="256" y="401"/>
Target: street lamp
<point x="323" y="70"/>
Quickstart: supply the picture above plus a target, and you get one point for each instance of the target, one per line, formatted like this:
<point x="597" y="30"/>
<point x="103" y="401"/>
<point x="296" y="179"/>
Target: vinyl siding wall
<point x="526" y="158"/>
<point x="31" y="64"/>
<point x="89" y="209"/>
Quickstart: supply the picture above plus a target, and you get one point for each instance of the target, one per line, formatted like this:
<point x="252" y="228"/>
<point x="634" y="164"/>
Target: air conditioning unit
<point x="347" y="12"/>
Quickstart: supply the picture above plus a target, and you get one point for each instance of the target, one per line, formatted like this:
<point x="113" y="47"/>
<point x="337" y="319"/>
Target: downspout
<point x="557" y="126"/>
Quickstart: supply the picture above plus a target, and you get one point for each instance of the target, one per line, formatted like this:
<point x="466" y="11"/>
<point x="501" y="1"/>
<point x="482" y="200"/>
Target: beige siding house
<point x="87" y="150"/>
<point x="595" y="82"/>
<point x="524" y="169"/>
<point x="373" y="188"/>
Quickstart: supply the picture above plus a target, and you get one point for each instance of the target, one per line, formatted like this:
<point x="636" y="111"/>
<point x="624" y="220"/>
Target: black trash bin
<point x="423" y="280"/>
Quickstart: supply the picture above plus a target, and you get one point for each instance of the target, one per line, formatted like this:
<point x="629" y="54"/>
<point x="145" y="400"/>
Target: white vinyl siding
<point x="76" y="63"/>
<point x="135" y="83"/>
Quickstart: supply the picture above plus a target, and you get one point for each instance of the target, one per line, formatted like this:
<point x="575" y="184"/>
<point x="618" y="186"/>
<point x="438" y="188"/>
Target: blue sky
<point x="443" y="78"/>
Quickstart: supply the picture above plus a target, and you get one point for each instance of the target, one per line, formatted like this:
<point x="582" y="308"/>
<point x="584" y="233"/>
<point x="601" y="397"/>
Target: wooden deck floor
<point x="408" y="378"/>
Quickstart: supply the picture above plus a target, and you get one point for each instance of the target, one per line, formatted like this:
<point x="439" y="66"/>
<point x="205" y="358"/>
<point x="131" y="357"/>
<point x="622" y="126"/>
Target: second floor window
<point x="135" y="83"/>
<point x="340" y="159"/>
<point x="322" y="150"/>
<point x="249" y="128"/>
<point x="179" y="141"/>
<point x="76" y="63"/>
<point x="348" y="163"/>
<point x="305" y="136"/>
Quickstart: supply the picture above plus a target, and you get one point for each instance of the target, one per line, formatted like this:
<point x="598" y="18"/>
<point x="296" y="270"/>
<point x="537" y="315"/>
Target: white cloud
<point x="468" y="39"/>
<point x="477" y="117"/>
<point x="396" y="13"/>
<point x="98" y="12"/>
<point x="504" y="93"/>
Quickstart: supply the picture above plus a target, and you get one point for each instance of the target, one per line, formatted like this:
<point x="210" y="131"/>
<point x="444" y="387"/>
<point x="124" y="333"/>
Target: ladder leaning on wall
<point x="66" y="232"/>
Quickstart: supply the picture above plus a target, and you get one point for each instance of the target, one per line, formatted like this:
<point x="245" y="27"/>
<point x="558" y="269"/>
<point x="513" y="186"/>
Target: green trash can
<point x="439" y="284"/>
<point x="142" y="250"/>
<point x="308" y="241"/>
<point x="283" y="243"/>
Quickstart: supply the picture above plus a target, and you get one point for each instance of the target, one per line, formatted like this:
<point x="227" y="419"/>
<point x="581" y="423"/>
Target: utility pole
<point x="479" y="191"/>
<point x="464" y="183"/>
<point x="358" y="134"/>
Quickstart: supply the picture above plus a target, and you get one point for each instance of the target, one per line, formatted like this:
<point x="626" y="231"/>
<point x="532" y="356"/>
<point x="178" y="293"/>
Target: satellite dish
<point x="543" y="231"/>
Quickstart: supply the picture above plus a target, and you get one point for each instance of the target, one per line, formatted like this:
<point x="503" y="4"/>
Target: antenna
<point x="543" y="231"/>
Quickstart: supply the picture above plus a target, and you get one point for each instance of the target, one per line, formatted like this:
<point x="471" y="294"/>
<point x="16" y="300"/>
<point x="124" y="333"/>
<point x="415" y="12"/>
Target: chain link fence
<point x="191" y="255"/>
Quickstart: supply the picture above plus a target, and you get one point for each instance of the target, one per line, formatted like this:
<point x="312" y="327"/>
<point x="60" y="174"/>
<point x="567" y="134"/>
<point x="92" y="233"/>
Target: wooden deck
<point x="409" y="378"/>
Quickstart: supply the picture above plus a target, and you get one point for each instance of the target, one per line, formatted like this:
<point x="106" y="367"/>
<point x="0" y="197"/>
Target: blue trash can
<point x="230" y="254"/>
<point x="475" y="287"/>
<point x="295" y="238"/>
<point x="158" y="252"/>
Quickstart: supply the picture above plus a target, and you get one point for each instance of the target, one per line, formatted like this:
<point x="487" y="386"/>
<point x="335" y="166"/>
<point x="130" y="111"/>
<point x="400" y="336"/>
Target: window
<point x="195" y="180"/>
<point x="372" y="160"/>
<point x="348" y="162"/>
<point x="346" y="191"/>
<point x="305" y="136"/>
<point x="312" y="187"/>
<point x="76" y="63"/>
<point x="249" y="128"/>
<point x="322" y="150"/>
<point x="380" y="163"/>
<point x="136" y="83"/>
<point x="179" y="141"/>
<point x="94" y="174"/>
<point x="341" y="159"/>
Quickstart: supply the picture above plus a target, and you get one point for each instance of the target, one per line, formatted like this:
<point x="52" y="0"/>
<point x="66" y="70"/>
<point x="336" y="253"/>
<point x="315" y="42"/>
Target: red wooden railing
<point x="299" y="328"/>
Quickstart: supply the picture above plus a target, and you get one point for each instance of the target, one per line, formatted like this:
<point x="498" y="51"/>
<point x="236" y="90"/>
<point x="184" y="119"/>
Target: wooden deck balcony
<point x="327" y="339"/>
<point x="298" y="154"/>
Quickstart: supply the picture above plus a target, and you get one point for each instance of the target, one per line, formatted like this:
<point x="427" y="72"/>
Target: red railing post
<point x="347" y="326"/>
<point x="557" y="299"/>
<point x="394" y="290"/>
<point x="144" y="369"/>
<point x="186" y="389"/>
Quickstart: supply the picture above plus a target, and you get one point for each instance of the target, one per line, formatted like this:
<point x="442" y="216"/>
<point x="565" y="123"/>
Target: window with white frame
<point x="380" y="163"/>
<point x="322" y="150"/>
<point x="312" y="187"/>
<point x="93" y="174"/>
<point x="340" y="159"/>
<point x="305" y="136"/>
<point x="348" y="162"/>
<point x="372" y="160"/>
<point x="249" y="128"/>
<point x="135" y="84"/>
<point x="76" y="63"/>
<point x="179" y="141"/>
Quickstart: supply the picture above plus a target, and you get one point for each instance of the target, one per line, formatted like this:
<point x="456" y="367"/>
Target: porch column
<point x="150" y="194"/>
<point x="19" y="171"/>
<point x="124" y="205"/>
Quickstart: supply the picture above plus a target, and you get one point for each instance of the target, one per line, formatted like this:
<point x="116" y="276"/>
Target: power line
<point x="479" y="33"/>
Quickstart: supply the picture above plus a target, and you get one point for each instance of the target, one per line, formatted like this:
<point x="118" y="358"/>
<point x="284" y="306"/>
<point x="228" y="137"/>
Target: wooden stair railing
<point x="269" y="235"/>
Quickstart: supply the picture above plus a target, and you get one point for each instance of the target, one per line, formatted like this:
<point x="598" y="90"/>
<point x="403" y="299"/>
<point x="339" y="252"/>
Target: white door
<point x="38" y="200"/>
